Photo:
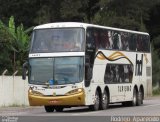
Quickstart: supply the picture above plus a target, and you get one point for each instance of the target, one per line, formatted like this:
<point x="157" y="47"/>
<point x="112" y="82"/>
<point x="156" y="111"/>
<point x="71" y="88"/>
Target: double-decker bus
<point x="77" y="64"/>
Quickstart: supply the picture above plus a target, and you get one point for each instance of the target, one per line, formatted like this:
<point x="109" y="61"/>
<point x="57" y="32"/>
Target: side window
<point x="118" y="73"/>
<point x="108" y="43"/>
<point x="124" y="40"/>
<point x="116" y="41"/>
<point x="110" y="35"/>
<point x="97" y="38"/>
<point x="132" y="41"/>
<point x="139" y="43"/>
<point x="146" y="43"/>
<point x="90" y="40"/>
<point x="104" y="40"/>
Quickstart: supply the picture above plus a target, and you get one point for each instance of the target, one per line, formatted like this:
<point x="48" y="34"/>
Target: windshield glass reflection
<point x="56" y="71"/>
<point x="57" y="40"/>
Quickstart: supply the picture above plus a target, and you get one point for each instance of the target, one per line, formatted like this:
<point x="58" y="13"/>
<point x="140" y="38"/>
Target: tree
<point x="17" y="43"/>
<point x="5" y="39"/>
<point x="72" y="10"/>
<point x="24" y="11"/>
<point x="153" y="24"/>
<point x="48" y="11"/>
<point x="156" y="44"/>
<point x="124" y="14"/>
<point x="93" y="6"/>
<point x="156" y="68"/>
<point x="78" y="10"/>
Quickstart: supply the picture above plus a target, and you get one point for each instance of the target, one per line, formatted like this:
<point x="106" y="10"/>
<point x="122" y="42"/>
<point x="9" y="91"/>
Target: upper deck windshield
<point x="57" y="40"/>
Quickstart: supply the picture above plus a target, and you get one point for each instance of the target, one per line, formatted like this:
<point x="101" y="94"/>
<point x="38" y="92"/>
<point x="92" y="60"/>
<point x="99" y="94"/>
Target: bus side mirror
<point x="24" y="69"/>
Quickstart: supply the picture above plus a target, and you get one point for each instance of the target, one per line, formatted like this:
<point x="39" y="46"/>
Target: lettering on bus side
<point x="139" y="66"/>
<point x="122" y="88"/>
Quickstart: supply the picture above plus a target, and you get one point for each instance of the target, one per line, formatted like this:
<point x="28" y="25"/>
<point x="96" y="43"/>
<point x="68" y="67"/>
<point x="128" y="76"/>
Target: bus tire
<point x="49" y="108"/>
<point x="104" y="101"/>
<point x="126" y="104"/>
<point x="59" y="109"/>
<point x="96" y="104"/>
<point x="134" y="101"/>
<point x="139" y="98"/>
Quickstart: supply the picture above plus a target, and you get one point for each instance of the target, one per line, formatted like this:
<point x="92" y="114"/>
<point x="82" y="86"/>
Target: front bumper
<point x="68" y="100"/>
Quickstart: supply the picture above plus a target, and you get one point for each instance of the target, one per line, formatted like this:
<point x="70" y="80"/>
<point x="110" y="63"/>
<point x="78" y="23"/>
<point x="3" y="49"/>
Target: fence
<point x="13" y="91"/>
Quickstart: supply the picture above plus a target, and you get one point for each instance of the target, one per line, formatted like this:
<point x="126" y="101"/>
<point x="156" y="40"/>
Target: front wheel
<point x="96" y="104"/>
<point x="49" y="108"/>
<point x="59" y="109"/>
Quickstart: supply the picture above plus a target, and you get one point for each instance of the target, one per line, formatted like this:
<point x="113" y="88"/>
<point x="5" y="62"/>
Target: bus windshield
<point x="56" y="71"/>
<point x="57" y="40"/>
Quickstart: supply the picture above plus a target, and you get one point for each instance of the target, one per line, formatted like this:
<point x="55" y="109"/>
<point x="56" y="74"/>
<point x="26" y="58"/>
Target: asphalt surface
<point x="150" y="108"/>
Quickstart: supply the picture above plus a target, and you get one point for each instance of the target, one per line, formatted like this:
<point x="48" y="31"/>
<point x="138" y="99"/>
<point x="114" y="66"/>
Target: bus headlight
<point x="32" y="92"/>
<point x="75" y="91"/>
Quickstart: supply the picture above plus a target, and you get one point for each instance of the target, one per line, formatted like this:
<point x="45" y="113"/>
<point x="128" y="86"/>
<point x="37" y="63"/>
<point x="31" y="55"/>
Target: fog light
<point x="79" y="90"/>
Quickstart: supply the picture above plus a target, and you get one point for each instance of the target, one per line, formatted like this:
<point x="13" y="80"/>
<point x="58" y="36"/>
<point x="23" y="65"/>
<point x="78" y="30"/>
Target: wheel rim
<point x="104" y="101"/>
<point x="140" y="97"/>
<point x="96" y="101"/>
<point x="134" y="98"/>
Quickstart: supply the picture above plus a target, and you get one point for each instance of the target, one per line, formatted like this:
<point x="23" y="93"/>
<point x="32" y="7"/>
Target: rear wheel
<point x="104" y="101"/>
<point x="134" y="101"/>
<point x="140" y="98"/>
<point x="49" y="108"/>
<point x="125" y="104"/>
<point x="96" y="104"/>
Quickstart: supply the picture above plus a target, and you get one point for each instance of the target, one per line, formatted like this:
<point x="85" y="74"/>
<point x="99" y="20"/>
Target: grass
<point x="156" y="91"/>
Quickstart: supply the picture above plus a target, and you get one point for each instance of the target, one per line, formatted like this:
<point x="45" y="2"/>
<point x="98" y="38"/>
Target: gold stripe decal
<point x="113" y="57"/>
<point x="145" y="56"/>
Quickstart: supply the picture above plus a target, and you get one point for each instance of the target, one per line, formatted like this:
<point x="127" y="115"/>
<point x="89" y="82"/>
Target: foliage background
<point x="18" y="17"/>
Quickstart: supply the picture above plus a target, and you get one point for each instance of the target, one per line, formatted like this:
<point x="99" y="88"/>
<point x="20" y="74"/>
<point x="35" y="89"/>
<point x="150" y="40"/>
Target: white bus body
<point x="108" y="65"/>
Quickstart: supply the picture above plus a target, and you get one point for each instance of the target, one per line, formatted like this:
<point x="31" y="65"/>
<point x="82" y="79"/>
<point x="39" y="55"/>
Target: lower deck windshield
<point x="56" y="71"/>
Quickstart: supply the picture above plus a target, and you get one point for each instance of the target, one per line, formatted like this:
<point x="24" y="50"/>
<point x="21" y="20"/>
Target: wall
<point x="13" y="91"/>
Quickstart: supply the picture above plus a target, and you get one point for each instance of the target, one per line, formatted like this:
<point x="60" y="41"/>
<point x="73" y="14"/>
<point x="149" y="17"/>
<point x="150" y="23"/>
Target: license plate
<point x="53" y="101"/>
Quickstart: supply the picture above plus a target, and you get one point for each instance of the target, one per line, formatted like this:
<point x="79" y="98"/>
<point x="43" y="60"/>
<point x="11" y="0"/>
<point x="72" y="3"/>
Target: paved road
<point x="151" y="107"/>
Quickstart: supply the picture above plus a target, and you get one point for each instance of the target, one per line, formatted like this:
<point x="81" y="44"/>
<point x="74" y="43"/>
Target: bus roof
<point x="84" y="25"/>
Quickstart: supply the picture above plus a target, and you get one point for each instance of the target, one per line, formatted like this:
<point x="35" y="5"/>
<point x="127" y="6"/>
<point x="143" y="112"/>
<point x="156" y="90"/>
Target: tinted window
<point x="118" y="40"/>
<point x="57" y="40"/>
<point x="132" y="42"/>
<point x="118" y="73"/>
